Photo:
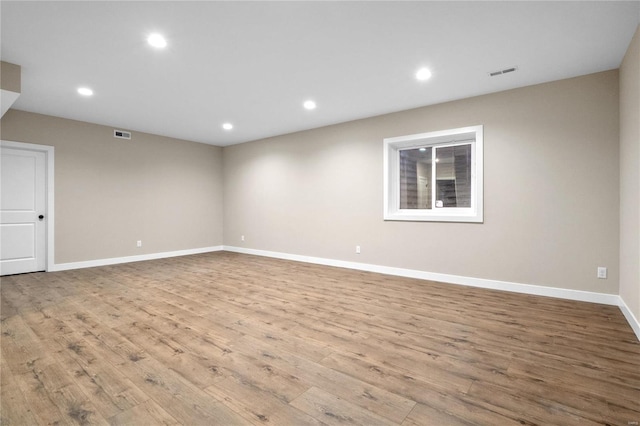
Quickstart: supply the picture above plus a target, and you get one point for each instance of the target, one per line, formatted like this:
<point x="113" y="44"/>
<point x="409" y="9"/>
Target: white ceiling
<point x="254" y="63"/>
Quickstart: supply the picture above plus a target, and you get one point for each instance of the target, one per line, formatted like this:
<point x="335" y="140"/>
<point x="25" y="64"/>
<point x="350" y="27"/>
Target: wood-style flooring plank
<point x="362" y="394"/>
<point x="257" y="406"/>
<point x="333" y="410"/>
<point x="146" y="413"/>
<point x="422" y="415"/>
<point x="111" y="391"/>
<point x="14" y="408"/>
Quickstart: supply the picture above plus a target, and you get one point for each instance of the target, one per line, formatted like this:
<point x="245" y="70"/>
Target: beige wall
<point x="110" y="192"/>
<point x="630" y="177"/>
<point x="551" y="189"/>
<point x="10" y="77"/>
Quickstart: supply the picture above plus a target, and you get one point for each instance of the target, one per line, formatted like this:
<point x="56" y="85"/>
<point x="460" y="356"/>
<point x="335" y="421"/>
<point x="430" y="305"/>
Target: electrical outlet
<point x="139" y="243"/>
<point x="242" y="238"/>
<point x="357" y="249"/>
<point x="602" y="272"/>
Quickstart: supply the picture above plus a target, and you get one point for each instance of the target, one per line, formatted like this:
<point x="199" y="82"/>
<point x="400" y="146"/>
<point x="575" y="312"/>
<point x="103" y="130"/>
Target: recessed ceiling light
<point x="156" y="40"/>
<point x="423" y="74"/>
<point x="423" y="149"/>
<point x="85" y="91"/>
<point x="309" y="105"/>
<point x="227" y="126"/>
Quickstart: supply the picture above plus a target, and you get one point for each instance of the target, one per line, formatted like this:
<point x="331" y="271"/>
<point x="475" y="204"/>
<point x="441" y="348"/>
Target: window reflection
<point x="449" y="167"/>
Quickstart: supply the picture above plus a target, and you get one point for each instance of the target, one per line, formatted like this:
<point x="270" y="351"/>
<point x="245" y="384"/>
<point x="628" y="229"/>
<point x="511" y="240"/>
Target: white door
<point x="22" y="211"/>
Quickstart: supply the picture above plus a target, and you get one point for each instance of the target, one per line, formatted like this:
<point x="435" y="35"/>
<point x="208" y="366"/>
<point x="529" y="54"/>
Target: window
<point x="434" y="176"/>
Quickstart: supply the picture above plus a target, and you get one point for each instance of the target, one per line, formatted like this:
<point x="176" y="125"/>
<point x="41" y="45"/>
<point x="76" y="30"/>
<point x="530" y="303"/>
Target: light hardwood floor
<point x="224" y="338"/>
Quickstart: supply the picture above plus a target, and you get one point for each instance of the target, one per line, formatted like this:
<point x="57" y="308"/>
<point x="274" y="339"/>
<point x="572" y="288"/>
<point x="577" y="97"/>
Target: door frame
<point x="49" y="194"/>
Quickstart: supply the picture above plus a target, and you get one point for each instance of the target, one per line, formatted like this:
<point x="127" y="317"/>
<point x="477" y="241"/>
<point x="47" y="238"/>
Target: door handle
<point x="41" y="217"/>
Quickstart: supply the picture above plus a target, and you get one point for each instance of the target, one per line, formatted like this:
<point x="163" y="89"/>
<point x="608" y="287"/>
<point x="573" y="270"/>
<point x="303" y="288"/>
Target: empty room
<point x="320" y="213"/>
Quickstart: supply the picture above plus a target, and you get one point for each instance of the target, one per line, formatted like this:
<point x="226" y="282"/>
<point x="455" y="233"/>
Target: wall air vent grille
<point x="121" y="134"/>
<point x="504" y="71"/>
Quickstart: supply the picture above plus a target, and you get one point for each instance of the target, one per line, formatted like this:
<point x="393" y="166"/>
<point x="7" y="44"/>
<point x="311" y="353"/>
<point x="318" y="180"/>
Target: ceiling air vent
<point x="504" y="71"/>
<point x="121" y="134"/>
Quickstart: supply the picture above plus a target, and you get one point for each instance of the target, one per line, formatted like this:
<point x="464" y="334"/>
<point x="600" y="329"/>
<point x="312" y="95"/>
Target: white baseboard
<point x="631" y="319"/>
<point x="127" y="259"/>
<point x="561" y="293"/>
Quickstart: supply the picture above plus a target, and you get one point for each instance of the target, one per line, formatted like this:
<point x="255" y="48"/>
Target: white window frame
<point x="438" y="139"/>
